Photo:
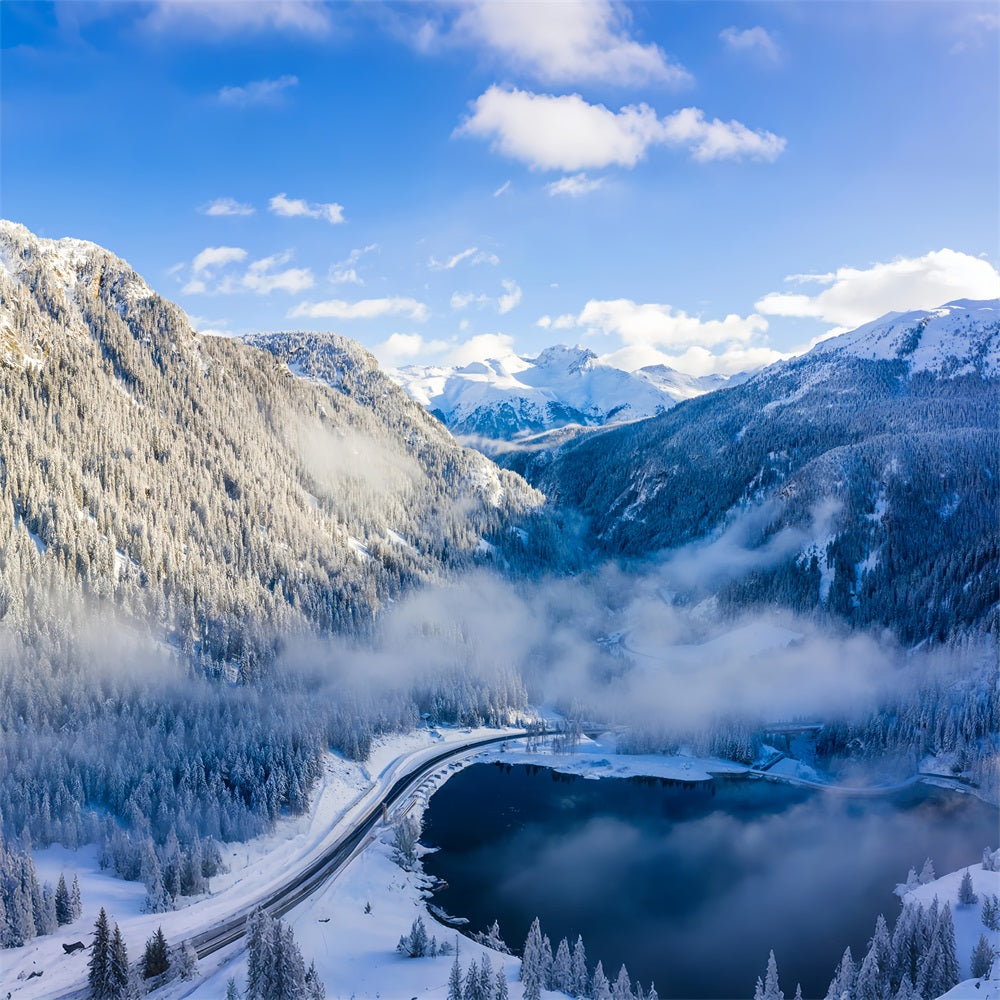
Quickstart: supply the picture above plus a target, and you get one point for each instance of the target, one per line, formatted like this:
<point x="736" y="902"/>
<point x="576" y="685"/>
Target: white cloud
<point x="282" y="205"/>
<point x="567" y="42"/>
<point x="473" y="255"/>
<point x="503" y="189"/>
<point x="401" y="348"/>
<point x="653" y="333"/>
<point x="345" y="276"/>
<point x="549" y="132"/>
<point x="462" y="300"/>
<point x="755" y="40"/>
<point x="695" y="360"/>
<point x="344" y="272"/>
<point x="225" y="17"/>
<point x="260" y="277"/>
<point x="362" y="309"/>
<point x="574" y="185"/>
<point x="854" y="296"/>
<point x="481" y="348"/>
<point x="510" y="299"/>
<point x="263" y="279"/>
<point x="719" y="140"/>
<point x="226" y="206"/>
<point x="564" y="322"/>
<point x="215" y="257"/>
<point x="258" y="92"/>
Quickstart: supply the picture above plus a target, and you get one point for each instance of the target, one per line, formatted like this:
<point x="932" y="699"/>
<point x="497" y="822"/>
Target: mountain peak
<point x="561" y="356"/>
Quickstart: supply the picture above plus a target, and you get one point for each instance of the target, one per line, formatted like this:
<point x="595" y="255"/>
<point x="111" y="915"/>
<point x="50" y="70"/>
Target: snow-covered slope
<point x="878" y="446"/>
<point x="503" y="398"/>
<point x="958" y="338"/>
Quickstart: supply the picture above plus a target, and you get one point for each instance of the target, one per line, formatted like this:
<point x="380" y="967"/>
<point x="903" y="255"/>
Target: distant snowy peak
<point x="958" y="338"/>
<point x="508" y="397"/>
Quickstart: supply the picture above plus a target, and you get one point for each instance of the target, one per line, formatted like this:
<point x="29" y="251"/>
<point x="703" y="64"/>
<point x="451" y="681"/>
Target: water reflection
<point x="690" y="885"/>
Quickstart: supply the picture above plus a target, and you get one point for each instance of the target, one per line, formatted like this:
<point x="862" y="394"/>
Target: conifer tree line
<point x="28" y="908"/>
<point x="275" y="967"/>
<point x="916" y="960"/>
<point x="566" y="971"/>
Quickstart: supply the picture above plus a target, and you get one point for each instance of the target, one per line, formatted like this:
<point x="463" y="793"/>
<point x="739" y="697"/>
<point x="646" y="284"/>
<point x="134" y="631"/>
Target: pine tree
<point x="486" y="978"/>
<point x="546" y="963"/>
<point x="503" y="991"/>
<point x="187" y="961"/>
<point x="927" y="872"/>
<point x="289" y="982"/>
<point x="771" y="989"/>
<point x="622" y="989"/>
<point x="982" y="958"/>
<point x="601" y="988"/>
<point x="949" y="959"/>
<point x="99" y="963"/>
<point x="866" y="985"/>
<point x="64" y="907"/>
<point x="455" y="980"/>
<point x="315" y="990"/>
<point x="155" y="959"/>
<point x="580" y="976"/>
<point x="118" y="970"/>
<point x="966" y="894"/>
<point x="842" y="983"/>
<point x="260" y="955"/>
<point x="562" y="968"/>
<point x="532" y="970"/>
<point x="76" y="904"/>
<point x="232" y="992"/>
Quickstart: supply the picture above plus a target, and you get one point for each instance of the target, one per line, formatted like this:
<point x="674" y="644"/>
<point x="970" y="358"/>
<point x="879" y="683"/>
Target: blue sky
<point x="707" y="185"/>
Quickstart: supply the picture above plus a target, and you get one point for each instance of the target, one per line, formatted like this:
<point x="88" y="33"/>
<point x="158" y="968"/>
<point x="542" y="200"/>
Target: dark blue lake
<point x="690" y="885"/>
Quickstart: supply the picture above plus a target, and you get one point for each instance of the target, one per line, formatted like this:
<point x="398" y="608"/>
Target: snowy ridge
<point x="506" y="397"/>
<point x="957" y="338"/>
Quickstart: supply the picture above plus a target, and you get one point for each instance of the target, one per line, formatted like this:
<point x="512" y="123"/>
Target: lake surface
<point x="690" y="885"/>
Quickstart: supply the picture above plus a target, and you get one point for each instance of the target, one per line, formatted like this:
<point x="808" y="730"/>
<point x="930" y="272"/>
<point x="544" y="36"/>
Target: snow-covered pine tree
<point x="531" y="962"/>
<point x="98" y="964"/>
<point x="76" y="903"/>
<point x="982" y="958"/>
<point x="260" y="954"/>
<point x="64" y="907"/>
<point x="315" y="990"/>
<point x="966" y="894"/>
<point x="232" y="992"/>
<point x="455" y="980"/>
<point x="927" y="872"/>
<point x="562" y="968"/>
<point x="487" y="979"/>
<point x="117" y="969"/>
<point x="156" y="957"/>
<point x="772" y="991"/>
<point x="622" y="988"/>
<point x="580" y="975"/>
<point x="600" y="987"/>
<point x="503" y="991"/>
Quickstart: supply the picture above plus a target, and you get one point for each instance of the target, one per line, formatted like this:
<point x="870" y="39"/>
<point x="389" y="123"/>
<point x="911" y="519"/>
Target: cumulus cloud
<point x="220" y="18"/>
<point x="510" y="299"/>
<point x="754" y="40"/>
<point x="574" y="185"/>
<point x="362" y="309"/>
<point x="401" y="348"/>
<point x="226" y="206"/>
<point x="854" y="296"/>
<point x="564" y="322"/>
<point x="481" y="348"/>
<point x="263" y="278"/>
<point x="719" y="140"/>
<point x="287" y="207"/>
<point x="212" y="258"/>
<point x="565" y="132"/>
<point x="473" y="255"/>
<point x="258" y="92"/>
<point x="562" y="43"/>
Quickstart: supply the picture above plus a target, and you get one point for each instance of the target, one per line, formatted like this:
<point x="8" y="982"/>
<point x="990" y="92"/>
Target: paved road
<point x="306" y="881"/>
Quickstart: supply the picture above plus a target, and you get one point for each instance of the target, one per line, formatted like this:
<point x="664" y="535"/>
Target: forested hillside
<point x="879" y="447"/>
<point x="181" y="518"/>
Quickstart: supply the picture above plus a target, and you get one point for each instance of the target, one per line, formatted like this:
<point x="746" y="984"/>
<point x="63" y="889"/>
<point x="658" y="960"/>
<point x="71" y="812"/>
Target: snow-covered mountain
<point x="877" y="449"/>
<point x="204" y="483"/>
<point x="504" y="398"/>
